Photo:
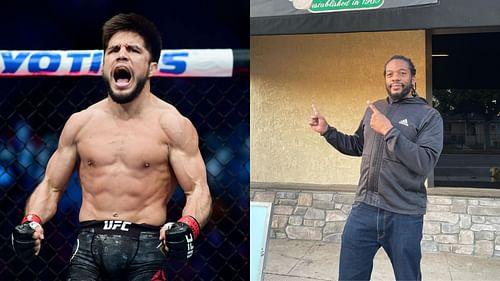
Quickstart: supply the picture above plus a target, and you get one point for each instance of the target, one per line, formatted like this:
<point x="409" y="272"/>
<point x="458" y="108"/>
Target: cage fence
<point x="33" y="111"/>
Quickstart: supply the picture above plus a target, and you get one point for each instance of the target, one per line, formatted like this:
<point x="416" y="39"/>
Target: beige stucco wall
<point x="337" y="72"/>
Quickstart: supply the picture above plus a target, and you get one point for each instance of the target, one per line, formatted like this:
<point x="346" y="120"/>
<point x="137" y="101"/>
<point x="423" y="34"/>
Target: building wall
<point x="455" y="224"/>
<point x="337" y="72"/>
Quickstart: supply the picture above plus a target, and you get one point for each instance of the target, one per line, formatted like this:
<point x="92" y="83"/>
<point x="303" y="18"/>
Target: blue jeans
<point x="367" y="229"/>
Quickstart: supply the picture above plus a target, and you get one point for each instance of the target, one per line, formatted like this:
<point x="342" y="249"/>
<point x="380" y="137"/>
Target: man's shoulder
<point x="429" y="110"/>
<point x="164" y="107"/>
<point x="168" y="114"/>
<point x="82" y="117"/>
<point x="173" y="123"/>
<point x="98" y="107"/>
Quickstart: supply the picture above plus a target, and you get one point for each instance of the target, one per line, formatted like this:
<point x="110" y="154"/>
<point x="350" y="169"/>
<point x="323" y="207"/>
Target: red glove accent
<point x="192" y="223"/>
<point x="30" y="218"/>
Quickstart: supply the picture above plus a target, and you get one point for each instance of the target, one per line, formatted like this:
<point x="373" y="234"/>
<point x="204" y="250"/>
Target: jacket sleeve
<point x="421" y="156"/>
<point x="347" y="144"/>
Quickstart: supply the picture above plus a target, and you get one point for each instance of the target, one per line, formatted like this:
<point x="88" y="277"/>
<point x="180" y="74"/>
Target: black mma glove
<point x="179" y="238"/>
<point x="22" y="238"/>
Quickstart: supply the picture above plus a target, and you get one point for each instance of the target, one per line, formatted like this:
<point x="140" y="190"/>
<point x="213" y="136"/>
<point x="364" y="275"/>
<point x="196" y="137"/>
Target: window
<point x="465" y="91"/>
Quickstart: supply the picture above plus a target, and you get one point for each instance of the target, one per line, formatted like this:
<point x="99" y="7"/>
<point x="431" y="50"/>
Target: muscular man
<point x="400" y="139"/>
<point x="130" y="149"/>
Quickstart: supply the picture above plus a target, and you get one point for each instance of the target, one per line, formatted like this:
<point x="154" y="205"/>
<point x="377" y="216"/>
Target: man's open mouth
<point x="122" y="76"/>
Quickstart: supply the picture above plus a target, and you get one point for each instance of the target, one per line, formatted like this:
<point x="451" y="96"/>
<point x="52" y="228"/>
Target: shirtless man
<point x="130" y="149"/>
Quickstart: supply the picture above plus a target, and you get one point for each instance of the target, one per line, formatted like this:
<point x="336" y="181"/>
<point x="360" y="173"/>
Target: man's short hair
<point x="134" y="23"/>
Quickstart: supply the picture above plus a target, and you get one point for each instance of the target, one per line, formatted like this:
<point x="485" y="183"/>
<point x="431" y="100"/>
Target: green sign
<point x="321" y="6"/>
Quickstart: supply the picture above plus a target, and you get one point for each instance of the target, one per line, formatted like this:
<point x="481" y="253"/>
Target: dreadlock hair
<point x="413" y="71"/>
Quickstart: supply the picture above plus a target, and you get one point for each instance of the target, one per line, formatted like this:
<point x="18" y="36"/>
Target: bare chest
<point x="131" y="143"/>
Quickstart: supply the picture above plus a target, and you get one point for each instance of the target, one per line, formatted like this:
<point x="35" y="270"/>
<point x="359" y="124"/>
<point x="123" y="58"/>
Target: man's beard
<point x="123" y="99"/>
<point x="404" y="92"/>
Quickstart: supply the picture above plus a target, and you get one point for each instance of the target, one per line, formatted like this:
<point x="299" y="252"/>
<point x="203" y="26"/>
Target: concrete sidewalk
<point x="294" y="260"/>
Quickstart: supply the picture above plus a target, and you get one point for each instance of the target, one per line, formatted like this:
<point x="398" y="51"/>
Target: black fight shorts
<point x="117" y="250"/>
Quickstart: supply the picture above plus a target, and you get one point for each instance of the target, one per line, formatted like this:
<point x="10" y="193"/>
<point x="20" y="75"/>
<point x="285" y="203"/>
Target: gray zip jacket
<point x="395" y="166"/>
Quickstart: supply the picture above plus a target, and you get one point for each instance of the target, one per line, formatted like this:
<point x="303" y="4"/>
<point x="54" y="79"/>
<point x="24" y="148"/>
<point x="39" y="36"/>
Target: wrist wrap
<point x="192" y="223"/>
<point x="32" y="218"/>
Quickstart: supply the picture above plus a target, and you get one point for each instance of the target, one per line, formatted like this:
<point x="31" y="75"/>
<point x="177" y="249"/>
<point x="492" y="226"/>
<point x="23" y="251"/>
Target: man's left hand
<point x="379" y="123"/>
<point x="178" y="238"/>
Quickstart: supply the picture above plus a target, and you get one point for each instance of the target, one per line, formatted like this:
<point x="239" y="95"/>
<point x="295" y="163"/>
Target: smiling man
<point x="130" y="149"/>
<point x="400" y="139"/>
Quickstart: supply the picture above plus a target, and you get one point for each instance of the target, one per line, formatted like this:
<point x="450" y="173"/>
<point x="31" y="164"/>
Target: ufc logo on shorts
<point x="190" y="247"/>
<point x="114" y="225"/>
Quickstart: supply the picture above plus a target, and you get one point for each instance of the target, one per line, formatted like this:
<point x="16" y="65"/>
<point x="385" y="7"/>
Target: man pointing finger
<point x="318" y="122"/>
<point x="378" y="122"/>
<point x="400" y="139"/>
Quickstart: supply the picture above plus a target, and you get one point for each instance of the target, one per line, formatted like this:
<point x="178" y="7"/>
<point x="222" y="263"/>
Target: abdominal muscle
<point x="117" y="192"/>
<point x="124" y="167"/>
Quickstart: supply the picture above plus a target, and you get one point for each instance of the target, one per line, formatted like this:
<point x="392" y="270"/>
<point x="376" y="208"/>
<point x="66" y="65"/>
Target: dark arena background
<point x="33" y="110"/>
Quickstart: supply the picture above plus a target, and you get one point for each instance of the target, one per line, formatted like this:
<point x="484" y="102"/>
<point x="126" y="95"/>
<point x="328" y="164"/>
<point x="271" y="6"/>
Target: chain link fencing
<point x="33" y="111"/>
